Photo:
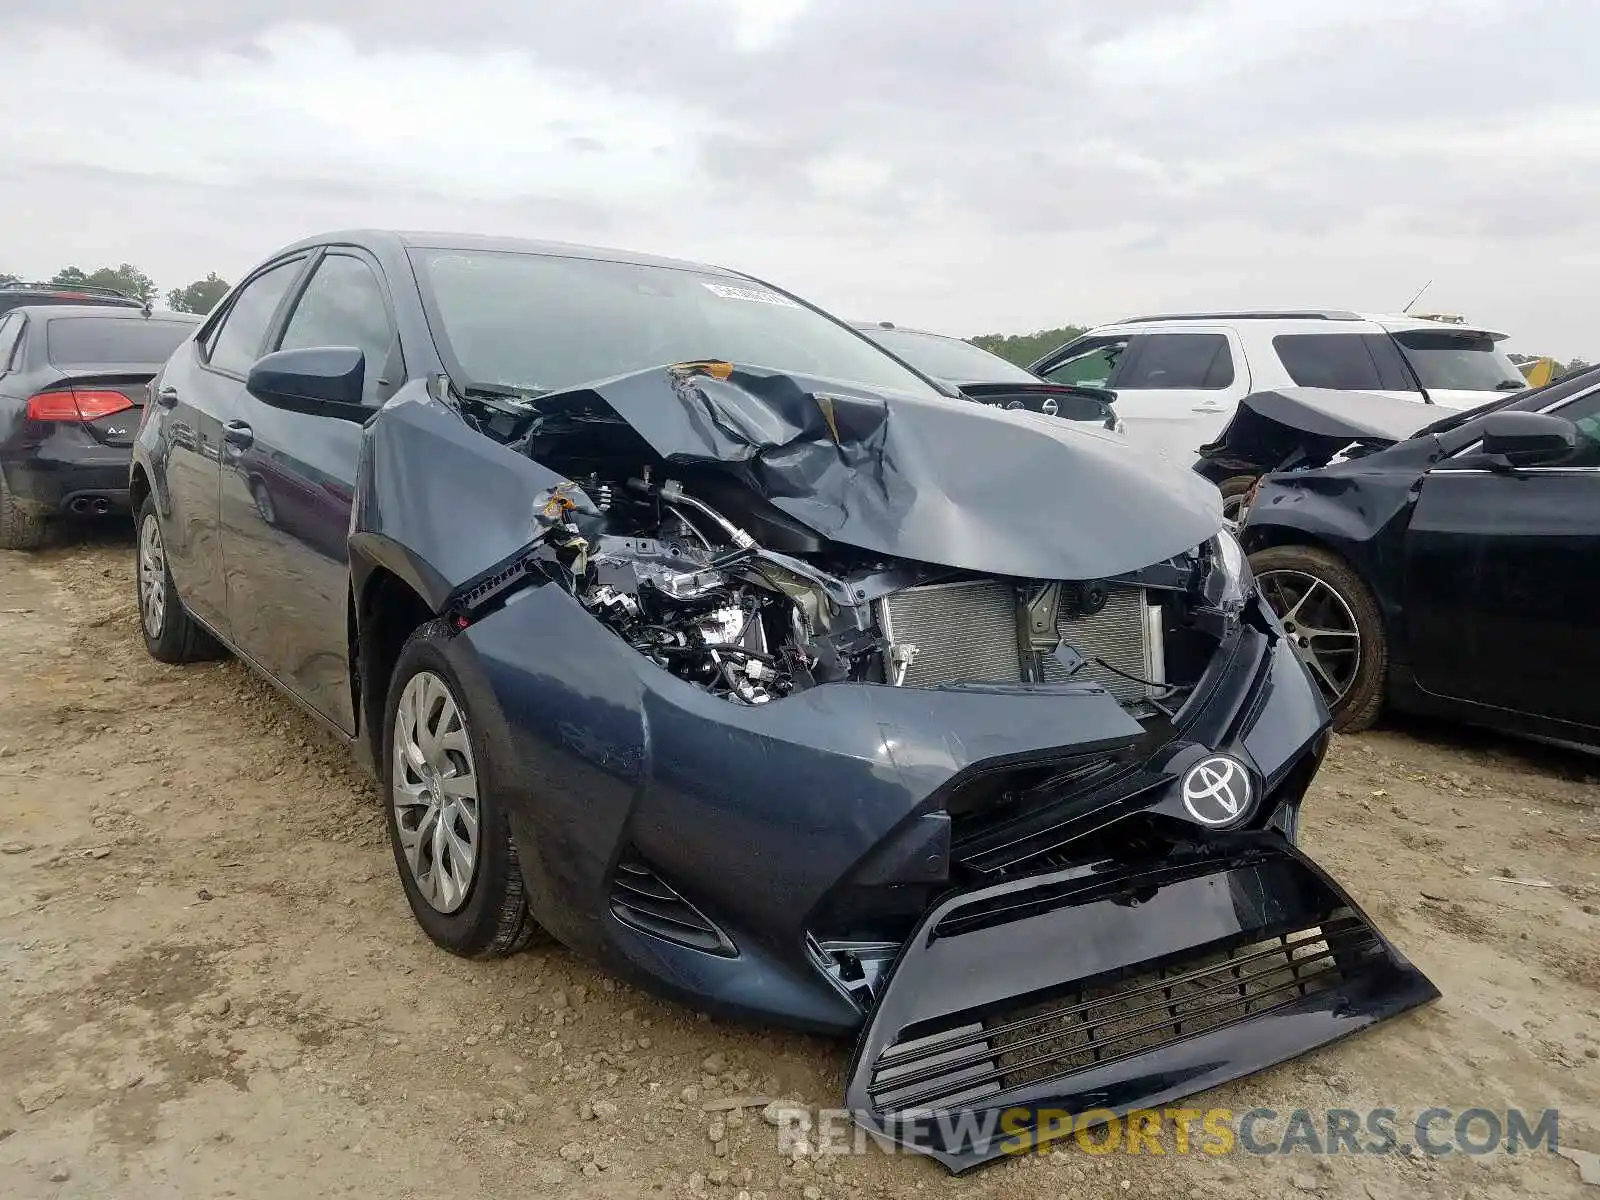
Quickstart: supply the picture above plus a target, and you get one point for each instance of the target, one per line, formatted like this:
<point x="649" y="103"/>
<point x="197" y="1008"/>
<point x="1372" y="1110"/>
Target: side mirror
<point x="320" y="381"/>
<point x="1527" y="439"/>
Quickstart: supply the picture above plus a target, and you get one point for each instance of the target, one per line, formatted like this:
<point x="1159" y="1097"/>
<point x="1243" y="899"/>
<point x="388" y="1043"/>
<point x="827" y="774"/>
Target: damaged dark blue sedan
<point x="682" y="621"/>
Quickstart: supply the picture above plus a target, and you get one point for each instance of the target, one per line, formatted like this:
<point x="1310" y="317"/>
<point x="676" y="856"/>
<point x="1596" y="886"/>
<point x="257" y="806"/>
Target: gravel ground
<point x="210" y="984"/>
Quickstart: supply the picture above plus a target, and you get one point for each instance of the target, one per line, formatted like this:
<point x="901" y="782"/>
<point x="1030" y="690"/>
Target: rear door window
<point x="1347" y="362"/>
<point x="102" y="341"/>
<point x="1459" y="360"/>
<point x="1169" y="361"/>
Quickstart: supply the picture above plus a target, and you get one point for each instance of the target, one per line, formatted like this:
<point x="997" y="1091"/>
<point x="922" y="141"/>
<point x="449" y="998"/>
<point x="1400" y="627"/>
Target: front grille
<point x="969" y="633"/>
<point x="640" y="898"/>
<point x="1101" y="1024"/>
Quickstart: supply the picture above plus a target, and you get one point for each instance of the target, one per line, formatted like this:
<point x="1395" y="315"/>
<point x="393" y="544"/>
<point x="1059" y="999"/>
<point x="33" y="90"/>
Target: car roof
<point x="115" y="312"/>
<point x="1311" y="317"/>
<point x="81" y="291"/>
<point x="390" y="239"/>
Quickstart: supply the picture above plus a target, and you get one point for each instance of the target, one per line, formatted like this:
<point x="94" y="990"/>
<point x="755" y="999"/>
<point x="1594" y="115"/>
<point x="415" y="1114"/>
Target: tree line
<point x="201" y="296"/>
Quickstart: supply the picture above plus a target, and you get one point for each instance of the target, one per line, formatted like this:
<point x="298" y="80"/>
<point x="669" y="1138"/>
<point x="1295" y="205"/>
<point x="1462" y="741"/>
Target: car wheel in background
<point x="171" y="635"/>
<point x="1334" y="625"/>
<point x="20" y="528"/>
<point x="1235" y="494"/>
<point x="263" y="501"/>
<point x="452" y="843"/>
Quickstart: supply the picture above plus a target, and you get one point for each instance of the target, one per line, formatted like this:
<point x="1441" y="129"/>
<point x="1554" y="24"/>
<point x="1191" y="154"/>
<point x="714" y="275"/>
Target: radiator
<point x="968" y="633"/>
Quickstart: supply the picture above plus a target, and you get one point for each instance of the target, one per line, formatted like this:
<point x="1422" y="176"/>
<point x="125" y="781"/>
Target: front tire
<point x="21" y="528"/>
<point x="171" y="635"/>
<point x="1333" y="623"/>
<point x="451" y="840"/>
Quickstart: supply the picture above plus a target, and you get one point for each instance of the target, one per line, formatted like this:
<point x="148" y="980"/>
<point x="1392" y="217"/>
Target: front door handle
<point x="238" y="435"/>
<point x="167" y="397"/>
<point x="1208" y="408"/>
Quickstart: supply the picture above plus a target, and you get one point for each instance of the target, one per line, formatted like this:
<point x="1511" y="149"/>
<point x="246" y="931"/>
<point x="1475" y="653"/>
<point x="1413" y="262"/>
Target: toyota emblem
<point x="1217" y="790"/>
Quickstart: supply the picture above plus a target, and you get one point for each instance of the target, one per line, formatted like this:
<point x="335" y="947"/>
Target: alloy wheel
<point x="152" y="577"/>
<point x="263" y="502"/>
<point x="435" y="792"/>
<point x="1320" y="625"/>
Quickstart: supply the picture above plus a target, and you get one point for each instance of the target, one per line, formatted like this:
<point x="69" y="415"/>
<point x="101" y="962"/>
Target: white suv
<point x="1178" y="377"/>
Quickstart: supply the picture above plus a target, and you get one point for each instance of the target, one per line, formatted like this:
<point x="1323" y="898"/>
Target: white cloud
<point x="938" y="163"/>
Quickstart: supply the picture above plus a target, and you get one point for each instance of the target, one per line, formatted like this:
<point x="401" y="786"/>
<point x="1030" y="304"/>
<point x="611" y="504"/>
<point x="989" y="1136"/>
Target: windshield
<point x="949" y="358"/>
<point x="548" y="323"/>
<point x="105" y="341"/>
<point x="1463" y="362"/>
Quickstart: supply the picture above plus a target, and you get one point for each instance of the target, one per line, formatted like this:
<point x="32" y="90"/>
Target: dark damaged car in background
<point x="682" y="621"/>
<point x="1445" y="568"/>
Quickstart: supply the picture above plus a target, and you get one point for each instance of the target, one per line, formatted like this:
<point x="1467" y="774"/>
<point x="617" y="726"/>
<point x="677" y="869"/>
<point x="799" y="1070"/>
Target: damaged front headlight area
<point x="1229" y="582"/>
<point x="695" y="594"/>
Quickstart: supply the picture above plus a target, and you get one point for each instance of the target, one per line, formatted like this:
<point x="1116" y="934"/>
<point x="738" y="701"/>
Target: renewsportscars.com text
<point x="1436" y="1132"/>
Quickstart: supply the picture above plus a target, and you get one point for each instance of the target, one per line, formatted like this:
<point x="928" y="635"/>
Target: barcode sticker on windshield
<point x="730" y="291"/>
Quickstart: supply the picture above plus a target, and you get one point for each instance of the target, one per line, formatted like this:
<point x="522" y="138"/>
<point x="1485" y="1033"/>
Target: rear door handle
<point x="167" y="397"/>
<point x="238" y="435"/>
<point x="1208" y="408"/>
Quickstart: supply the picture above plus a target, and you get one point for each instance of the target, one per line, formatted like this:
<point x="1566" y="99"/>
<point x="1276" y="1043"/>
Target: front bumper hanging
<point x="1106" y="990"/>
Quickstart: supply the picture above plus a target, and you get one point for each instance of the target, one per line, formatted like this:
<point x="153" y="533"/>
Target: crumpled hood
<point x="941" y="481"/>
<point x="1302" y="425"/>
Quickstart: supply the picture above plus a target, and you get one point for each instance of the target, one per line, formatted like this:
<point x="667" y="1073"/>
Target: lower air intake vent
<point x="1124" y="1019"/>
<point x="969" y="633"/>
<point x="644" y="901"/>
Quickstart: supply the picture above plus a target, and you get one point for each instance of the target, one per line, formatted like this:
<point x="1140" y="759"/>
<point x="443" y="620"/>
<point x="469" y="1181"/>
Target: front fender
<point x="437" y="538"/>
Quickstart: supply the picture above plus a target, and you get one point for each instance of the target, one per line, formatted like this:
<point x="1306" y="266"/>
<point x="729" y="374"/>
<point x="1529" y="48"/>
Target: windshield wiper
<point x="1510" y="385"/>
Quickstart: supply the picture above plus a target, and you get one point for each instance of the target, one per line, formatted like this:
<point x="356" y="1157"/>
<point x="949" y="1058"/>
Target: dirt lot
<point x="210" y="985"/>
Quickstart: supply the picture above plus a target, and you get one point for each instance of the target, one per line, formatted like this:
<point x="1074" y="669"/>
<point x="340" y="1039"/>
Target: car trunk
<point x="94" y="392"/>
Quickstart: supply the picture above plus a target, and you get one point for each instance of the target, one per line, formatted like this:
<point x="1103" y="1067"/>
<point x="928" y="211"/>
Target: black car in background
<point x="73" y="380"/>
<point x="17" y="294"/>
<point x="1454" y="572"/>
<point x="990" y="379"/>
<point x="802" y="691"/>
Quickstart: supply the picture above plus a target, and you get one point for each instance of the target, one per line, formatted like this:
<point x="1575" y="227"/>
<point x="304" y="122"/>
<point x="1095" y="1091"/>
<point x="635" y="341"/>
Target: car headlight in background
<point x="1230" y="582"/>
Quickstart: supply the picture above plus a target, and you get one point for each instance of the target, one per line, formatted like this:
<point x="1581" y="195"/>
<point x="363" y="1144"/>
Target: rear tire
<point x="441" y="811"/>
<point x="21" y="527"/>
<point x="1295" y="580"/>
<point x="171" y="635"/>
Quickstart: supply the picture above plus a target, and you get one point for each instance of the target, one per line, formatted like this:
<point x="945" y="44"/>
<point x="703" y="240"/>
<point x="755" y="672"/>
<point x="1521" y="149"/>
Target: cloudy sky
<point x="961" y="166"/>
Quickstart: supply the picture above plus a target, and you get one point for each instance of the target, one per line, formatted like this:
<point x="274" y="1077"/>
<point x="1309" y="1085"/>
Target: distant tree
<point x="7" y="277"/>
<point x="125" y="278"/>
<point x="201" y="296"/>
<point x="1025" y="349"/>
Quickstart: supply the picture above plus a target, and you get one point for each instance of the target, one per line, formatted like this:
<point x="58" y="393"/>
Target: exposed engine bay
<point x="689" y="587"/>
<point x="720" y="586"/>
